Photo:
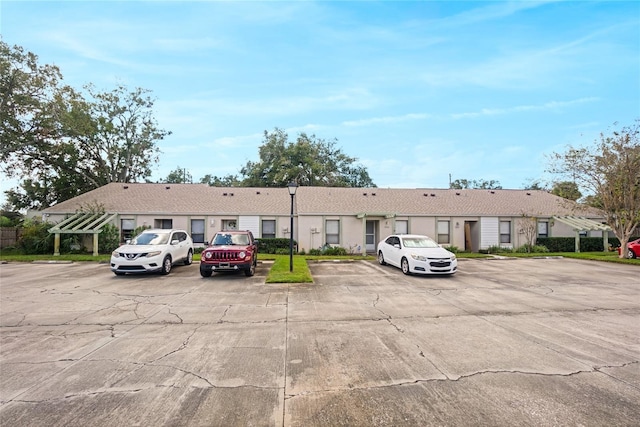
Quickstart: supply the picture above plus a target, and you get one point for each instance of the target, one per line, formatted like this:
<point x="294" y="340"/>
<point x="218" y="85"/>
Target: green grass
<point x="280" y="273"/>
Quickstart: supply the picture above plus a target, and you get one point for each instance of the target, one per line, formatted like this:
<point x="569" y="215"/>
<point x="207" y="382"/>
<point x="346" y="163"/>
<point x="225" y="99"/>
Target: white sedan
<point x="416" y="254"/>
<point x="153" y="250"/>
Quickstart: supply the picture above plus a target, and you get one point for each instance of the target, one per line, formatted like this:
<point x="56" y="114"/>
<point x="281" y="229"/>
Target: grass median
<point x="279" y="272"/>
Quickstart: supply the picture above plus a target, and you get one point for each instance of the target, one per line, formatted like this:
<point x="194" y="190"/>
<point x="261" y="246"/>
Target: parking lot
<point x="529" y="342"/>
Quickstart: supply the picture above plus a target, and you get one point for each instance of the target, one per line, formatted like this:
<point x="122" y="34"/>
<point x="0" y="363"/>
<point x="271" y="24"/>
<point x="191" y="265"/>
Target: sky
<point x="420" y="92"/>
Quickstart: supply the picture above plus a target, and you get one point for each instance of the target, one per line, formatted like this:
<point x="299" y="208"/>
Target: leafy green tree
<point x="32" y="101"/>
<point x="610" y="171"/>
<point x="535" y="185"/>
<point x="226" y="181"/>
<point x="35" y="238"/>
<point x="567" y="189"/>
<point x="123" y="144"/>
<point x="179" y="176"/>
<point x="5" y="221"/>
<point x="60" y="143"/>
<point x="460" y="184"/>
<point x="309" y="161"/>
<point x="15" y="218"/>
<point x="109" y="239"/>
<point x="593" y="200"/>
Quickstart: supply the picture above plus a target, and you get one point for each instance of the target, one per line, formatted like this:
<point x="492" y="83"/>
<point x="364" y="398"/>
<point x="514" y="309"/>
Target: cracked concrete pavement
<point x="531" y="342"/>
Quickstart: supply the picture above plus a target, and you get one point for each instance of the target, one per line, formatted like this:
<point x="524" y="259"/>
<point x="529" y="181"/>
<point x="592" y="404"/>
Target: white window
<point x="126" y="229"/>
<point x="505" y="231"/>
<point x="543" y="229"/>
<point x="268" y="228"/>
<point x="443" y="231"/>
<point x="332" y="231"/>
<point x="402" y="226"/>
<point x="166" y="224"/>
<point x="197" y="230"/>
<point x="229" y="224"/>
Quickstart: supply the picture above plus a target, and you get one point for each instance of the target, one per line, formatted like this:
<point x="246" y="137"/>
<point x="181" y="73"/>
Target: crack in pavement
<point x="389" y="319"/>
<point x="134" y="391"/>
<point x="461" y="378"/>
<point x="224" y="314"/>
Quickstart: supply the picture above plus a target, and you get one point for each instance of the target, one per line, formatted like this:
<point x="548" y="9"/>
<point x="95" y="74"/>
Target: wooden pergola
<point x="81" y="223"/>
<point x="579" y="224"/>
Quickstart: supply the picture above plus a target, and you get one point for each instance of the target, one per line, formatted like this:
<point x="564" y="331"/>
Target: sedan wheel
<point x="630" y="254"/>
<point x="166" y="265"/>
<point x="381" y="259"/>
<point x="405" y="266"/>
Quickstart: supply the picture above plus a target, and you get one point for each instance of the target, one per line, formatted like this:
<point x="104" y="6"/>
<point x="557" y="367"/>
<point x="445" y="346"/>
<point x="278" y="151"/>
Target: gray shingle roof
<point x="318" y="200"/>
<point x="201" y="199"/>
<point x="181" y="199"/>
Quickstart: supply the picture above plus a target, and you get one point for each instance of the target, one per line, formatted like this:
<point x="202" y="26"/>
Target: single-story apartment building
<point x="353" y="218"/>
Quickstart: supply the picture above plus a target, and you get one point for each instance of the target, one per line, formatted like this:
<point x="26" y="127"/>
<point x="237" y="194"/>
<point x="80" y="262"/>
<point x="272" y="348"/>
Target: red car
<point x="230" y="251"/>
<point x="633" y="249"/>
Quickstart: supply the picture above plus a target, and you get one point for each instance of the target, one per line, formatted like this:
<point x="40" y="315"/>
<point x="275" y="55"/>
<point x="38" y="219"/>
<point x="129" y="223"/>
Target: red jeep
<point x="230" y="251"/>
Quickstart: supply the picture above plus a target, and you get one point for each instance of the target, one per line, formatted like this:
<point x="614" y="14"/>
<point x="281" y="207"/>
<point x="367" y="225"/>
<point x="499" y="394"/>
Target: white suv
<point x="153" y="250"/>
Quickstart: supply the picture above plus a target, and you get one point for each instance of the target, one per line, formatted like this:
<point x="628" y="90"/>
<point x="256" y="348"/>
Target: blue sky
<point x="418" y="91"/>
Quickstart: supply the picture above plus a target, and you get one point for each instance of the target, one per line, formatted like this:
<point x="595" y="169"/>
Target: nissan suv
<point x="153" y="250"/>
<point x="230" y="251"/>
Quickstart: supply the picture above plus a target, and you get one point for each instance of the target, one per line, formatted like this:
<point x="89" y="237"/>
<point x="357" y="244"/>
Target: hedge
<point x="275" y="245"/>
<point x="568" y="244"/>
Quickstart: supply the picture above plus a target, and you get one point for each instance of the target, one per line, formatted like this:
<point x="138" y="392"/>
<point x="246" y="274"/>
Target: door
<point x="370" y="236"/>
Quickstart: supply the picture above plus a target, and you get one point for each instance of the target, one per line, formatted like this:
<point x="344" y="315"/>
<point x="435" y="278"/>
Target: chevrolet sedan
<point x="418" y="254"/>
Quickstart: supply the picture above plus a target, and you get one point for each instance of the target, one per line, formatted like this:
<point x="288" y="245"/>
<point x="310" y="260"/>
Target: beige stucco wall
<point x="309" y="230"/>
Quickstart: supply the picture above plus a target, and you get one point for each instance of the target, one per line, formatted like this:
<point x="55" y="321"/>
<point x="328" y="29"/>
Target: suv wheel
<point x="189" y="258"/>
<point x="252" y="270"/>
<point x="166" y="265"/>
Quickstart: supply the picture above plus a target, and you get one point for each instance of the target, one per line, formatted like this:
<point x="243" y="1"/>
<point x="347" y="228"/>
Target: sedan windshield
<point x="419" y="242"/>
<point x="151" y="239"/>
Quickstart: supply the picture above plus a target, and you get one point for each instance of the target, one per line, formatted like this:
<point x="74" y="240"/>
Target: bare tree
<point x="528" y="225"/>
<point x="610" y="171"/>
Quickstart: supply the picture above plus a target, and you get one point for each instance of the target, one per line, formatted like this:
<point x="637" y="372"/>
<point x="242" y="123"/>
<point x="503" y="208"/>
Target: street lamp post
<point x="292" y="186"/>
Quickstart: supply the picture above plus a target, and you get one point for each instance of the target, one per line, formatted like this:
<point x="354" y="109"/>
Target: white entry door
<point x="371" y="238"/>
